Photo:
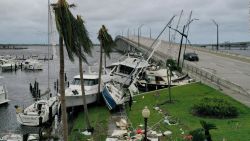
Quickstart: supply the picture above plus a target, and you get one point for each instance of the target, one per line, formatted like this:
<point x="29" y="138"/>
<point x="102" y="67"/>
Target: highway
<point x="225" y="67"/>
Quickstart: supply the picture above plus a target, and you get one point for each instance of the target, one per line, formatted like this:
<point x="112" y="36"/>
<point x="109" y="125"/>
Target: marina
<point x="24" y="98"/>
<point x="17" y="84"/>
<point x="96" y="71"/>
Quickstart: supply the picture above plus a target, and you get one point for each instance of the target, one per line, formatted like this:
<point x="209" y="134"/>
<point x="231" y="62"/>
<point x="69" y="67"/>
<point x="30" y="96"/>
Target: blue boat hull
<point x="110" y="102"/>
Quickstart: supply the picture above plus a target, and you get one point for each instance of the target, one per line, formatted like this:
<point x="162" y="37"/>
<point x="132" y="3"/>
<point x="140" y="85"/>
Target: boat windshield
<point x="87" y="82"/>
<point x="125" y="69"/>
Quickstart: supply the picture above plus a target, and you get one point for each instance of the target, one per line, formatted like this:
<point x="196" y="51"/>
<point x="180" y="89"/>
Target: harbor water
<point x="18" y="82"/>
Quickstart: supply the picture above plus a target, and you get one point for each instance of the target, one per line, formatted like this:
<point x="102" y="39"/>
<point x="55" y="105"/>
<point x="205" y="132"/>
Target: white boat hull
<point x="113" y="96"/>
<point x="33" y="67"/>
<point x="73" y="94"/>
<point x="72" y="101"/>
<point x="7" y="67"/>
<point x="32" y="64"/>
<point x="30" y="116"/>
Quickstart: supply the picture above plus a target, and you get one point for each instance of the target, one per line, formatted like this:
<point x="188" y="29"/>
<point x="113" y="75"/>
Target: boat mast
<point x="49" y="29"/>
<point x="152" y="52"/>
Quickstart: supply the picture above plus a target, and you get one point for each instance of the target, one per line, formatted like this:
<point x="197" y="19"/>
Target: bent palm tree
<point x="84" y="42"/>
<point x="106" y="45"/>
<point x="64" y="24"/>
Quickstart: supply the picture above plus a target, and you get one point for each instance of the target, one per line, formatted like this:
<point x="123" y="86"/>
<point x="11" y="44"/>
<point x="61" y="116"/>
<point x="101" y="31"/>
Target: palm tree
<point x="64" y="24"/>
<point x="84" y="42"/>
<point x="206" y="127"/>
<point x="106" y="45"/>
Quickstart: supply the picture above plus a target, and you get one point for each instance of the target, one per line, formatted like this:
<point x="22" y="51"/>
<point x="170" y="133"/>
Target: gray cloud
<point x="26" y="21"/>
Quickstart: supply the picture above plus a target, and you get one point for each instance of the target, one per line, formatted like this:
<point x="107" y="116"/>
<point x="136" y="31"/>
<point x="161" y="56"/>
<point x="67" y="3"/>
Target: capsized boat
<point x="158" y="79"/>
<point x="125" y="71"/>
<point x="113" y="95"/>
<point x="45" y="109"/>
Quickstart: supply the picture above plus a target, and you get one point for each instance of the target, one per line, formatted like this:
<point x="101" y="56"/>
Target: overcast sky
<point x="25" y="21"/>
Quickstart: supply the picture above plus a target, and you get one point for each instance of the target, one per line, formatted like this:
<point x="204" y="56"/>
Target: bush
<point x="173" y="65"/>
<point x="214" y="107"/>
<point x="197" y="135"/>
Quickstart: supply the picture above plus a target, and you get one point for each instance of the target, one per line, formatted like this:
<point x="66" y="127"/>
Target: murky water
<point x="17" y="83"/>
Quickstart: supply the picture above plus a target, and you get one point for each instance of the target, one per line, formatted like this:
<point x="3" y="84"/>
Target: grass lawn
<point x="99" y="116"/>
<point x="184" y="97"/>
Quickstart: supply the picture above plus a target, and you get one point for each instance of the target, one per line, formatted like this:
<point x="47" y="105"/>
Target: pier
<point x="222" y="70"/>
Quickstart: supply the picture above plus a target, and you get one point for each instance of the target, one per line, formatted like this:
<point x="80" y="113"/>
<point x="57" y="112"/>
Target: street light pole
<point x="128" y="33"/>
<point x="169" y="73"/>
<point x="217" y="26"/>
<point x="145" y="114"/>
<point x="150" y="32"/>
<point x="139" y="32"/>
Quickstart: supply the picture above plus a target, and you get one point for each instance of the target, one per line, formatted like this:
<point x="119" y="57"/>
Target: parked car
<point x="191" y="56"/>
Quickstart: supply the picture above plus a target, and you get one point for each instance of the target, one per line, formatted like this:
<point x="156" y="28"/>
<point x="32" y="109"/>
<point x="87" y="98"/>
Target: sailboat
<point x="43" y="110"/>
<point x="40" y="111"/>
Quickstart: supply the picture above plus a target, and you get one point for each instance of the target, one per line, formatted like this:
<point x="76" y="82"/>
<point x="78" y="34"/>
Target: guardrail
<point x="221" y="83"/>
<point x="223" y="53"/>
<point x="200" y="73"/>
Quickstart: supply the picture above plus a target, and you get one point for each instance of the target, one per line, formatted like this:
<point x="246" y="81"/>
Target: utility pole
<point x="182" y="34"/>
<point x="217" y="26"/>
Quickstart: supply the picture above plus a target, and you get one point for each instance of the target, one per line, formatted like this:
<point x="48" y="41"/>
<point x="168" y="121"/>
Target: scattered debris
<point x="86" y="133"/>
<point x="119" y="133"/>
<point x="167" y="133"/>
<point x="156" y="108"/>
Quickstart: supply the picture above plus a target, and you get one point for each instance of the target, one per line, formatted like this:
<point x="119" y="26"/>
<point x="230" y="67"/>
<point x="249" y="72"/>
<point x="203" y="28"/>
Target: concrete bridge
<point x="225" y="71"/>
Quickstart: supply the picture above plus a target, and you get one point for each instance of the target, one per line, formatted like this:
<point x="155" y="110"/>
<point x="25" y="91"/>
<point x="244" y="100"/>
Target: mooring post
<point x="50" y="114"/>
<point x="31" y="89"/>
<point x="54" y="85"/>
<point x="65" y="77"/>
<point x="40" y="128"/>
<point x="15" y="67"/>
<point x="39" y="94"/>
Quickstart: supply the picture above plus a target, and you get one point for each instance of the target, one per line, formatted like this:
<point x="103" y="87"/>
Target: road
<point x="225" y="67"/>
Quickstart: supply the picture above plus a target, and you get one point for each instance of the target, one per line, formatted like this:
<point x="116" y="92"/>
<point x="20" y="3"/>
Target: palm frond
<point x="64" y="23"/>
<point x="83" y="36"/>
<point x="207" y="126"/>
<point x="106" y="40"/>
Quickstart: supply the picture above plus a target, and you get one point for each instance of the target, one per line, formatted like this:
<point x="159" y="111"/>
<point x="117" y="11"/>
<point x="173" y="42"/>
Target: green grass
<point x="99" y="117"/>
<point x="184" y="97"/>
